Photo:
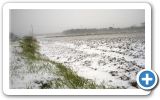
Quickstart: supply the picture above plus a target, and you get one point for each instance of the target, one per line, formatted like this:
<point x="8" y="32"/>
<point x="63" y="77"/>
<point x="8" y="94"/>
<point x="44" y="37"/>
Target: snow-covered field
<point x="26" y="74"/>
<point x="111" y="60"/>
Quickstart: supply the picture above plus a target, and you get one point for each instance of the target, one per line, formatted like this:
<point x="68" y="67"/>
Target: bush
<point x="29" y="47"/>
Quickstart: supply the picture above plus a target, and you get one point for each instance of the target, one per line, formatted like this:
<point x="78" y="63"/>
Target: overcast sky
<point x="53" y="21"/>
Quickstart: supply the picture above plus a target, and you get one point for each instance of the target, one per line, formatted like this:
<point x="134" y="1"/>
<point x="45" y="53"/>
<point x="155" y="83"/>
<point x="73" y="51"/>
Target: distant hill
<point x="110" y="30"/>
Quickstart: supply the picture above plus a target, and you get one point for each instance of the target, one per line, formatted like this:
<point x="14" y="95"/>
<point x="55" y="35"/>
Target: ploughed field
<point x="111" y="60"/>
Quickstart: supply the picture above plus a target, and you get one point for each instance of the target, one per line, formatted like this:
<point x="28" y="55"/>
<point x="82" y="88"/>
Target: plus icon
<point x="147" y="79"/>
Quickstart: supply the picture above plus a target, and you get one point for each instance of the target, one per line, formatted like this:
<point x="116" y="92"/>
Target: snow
<point x="111" y="60"/>
<point x="24" y="75"/>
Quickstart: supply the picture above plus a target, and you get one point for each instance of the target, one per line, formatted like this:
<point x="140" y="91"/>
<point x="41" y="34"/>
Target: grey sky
<point x="52" y="21"/>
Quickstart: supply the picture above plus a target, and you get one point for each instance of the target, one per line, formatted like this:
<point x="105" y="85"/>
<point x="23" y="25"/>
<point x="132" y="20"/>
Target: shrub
<point x="29" y="47"/>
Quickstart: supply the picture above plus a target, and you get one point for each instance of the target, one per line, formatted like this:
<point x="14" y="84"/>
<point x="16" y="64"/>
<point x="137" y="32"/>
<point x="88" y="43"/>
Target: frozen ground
<point x="112" y="60"/>
<point x="26" y="74"/>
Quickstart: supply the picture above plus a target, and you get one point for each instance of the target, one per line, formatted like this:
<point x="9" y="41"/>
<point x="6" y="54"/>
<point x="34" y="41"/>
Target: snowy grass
<point x="74" y="81"/>
<point x="66" y="77"/>
<point x="29" y="47"/>
<point x="71" y="79"/>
